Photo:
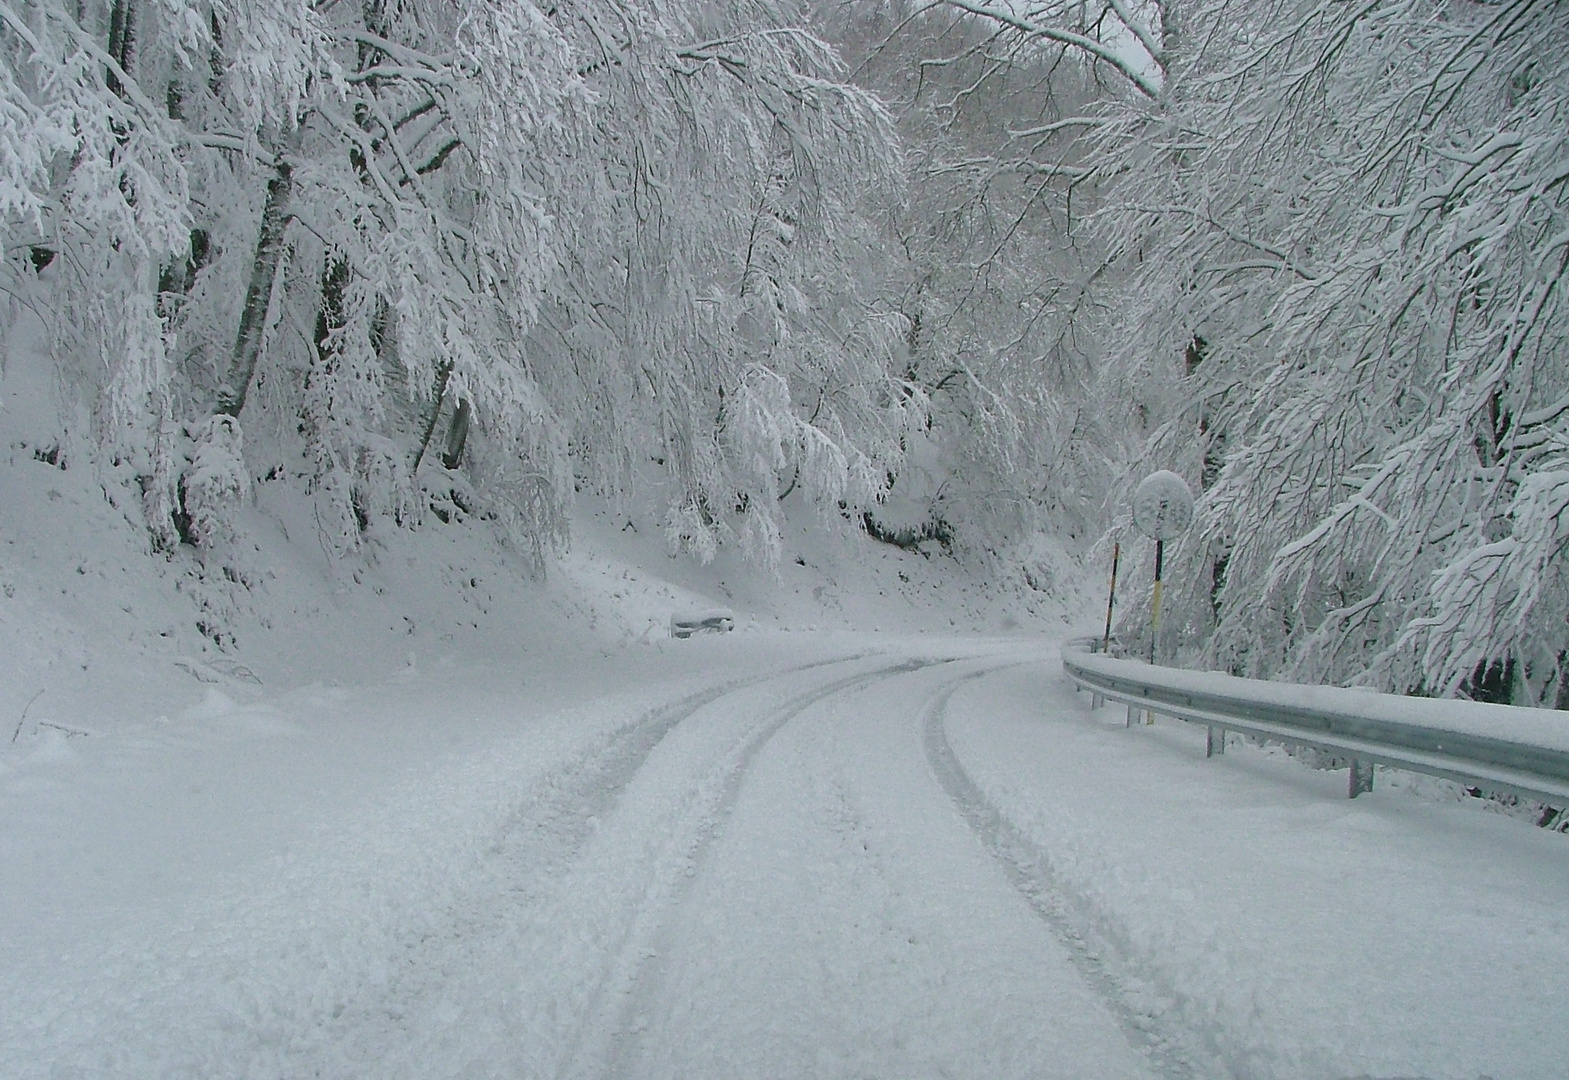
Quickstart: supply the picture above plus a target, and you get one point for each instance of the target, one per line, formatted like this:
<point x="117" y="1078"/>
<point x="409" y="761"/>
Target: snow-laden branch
<point x="1125" y="66"/>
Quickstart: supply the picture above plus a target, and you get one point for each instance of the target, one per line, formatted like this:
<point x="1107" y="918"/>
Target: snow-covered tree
<point x="1351" y="235"/>
<point x="710" y="311"/>
<point x="243" y="202"/>
<point x="95" y="192"/>
<point x="395" y="236"/>
<point x="995" y="273"/>
<point x="1339" y="236"/>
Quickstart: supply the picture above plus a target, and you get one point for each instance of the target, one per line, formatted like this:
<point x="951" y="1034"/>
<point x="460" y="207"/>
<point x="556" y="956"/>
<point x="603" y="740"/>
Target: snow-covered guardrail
<point x="1497" y="748"/>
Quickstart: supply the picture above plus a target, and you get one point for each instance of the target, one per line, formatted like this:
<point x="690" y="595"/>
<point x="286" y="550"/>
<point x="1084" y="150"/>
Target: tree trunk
<point x="329" y="315"/>
<point x="457" y="435"/>
<point x="216" y="64"/>
<point x="443" y="373"/>
<point x="264" y="268"/>
<point x="122" y="41"/>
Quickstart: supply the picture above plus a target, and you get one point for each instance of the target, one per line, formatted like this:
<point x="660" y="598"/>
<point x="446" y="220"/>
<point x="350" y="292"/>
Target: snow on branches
<point x="400" y="236"/>
<point x="1352" y="221"/>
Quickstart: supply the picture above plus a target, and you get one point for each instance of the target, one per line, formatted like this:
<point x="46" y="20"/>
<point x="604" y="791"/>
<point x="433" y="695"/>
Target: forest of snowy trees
<point x="436" y="259"/>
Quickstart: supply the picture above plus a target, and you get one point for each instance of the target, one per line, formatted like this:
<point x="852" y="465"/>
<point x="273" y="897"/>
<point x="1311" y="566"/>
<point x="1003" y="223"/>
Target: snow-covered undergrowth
<point x="96" y="628"/>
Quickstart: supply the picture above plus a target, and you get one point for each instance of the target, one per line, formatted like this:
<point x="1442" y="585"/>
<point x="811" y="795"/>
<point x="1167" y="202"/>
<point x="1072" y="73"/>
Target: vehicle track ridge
<point x="545" y="833"/>
<point x="576" y="796"/>
<point x="622" y="1034"/>
<point x="1174" y="1055"/>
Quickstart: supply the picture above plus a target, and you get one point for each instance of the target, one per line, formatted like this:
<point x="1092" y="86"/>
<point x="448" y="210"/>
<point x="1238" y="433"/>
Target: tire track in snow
<point x="1171" y="1052"/>
<point x="619" y="1026"/>
<point x="556" y="823"/>
<point x="388" y="1031"/>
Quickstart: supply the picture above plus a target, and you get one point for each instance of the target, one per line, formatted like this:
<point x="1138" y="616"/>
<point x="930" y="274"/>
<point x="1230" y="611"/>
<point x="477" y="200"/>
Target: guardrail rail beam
<point x="1502" y="749"/>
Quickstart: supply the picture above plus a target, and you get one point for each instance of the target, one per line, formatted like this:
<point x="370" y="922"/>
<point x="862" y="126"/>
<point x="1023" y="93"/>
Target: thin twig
<point x="23" y="719"/>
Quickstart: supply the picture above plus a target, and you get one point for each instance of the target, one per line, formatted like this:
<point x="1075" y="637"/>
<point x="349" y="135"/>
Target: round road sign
<point x="1162" y="505"/>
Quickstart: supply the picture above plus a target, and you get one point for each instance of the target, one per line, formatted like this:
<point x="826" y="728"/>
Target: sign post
<point x="1162" y="510"/>
<point x="1111" y="598"/>
<point x="1096" y="701"/>
<point x="1160" y="558"/>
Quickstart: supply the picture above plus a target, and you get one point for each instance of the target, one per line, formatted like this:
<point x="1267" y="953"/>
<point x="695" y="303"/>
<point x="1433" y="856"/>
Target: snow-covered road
<point x="754" y="858"/>
<point x="830" y="915"/>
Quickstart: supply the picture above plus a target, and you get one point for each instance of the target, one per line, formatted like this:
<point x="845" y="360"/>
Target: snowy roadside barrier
<point x="715" y="621"/>
<point x="1504" y="749"/>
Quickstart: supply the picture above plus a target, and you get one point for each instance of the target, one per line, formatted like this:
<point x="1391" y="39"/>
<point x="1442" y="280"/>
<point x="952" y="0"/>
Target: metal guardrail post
<point x="1096" y="699"/>
<point x="1214" y="741"/>
<point x="1361" y="780"/>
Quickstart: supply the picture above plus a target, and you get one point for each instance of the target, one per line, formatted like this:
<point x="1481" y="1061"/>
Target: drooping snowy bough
<point x="447" y="252"/>
<point x="1337" y="238"/>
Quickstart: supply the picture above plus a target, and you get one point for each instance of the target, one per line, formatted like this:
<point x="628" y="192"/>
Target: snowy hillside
<point x="97" y="630"/>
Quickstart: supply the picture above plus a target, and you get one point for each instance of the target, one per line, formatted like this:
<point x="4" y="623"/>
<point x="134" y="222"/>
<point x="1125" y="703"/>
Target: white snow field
<point x="764" y="855"/>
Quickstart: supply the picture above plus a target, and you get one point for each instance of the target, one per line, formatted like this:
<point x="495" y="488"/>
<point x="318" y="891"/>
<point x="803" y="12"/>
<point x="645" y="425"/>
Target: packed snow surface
<point x="762" y="854"/>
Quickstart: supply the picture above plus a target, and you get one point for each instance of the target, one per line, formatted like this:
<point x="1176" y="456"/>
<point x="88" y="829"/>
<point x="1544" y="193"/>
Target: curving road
<point x="763" y="880"/>
<point x="892" y="863"/>
<point x="835" y="916"/>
